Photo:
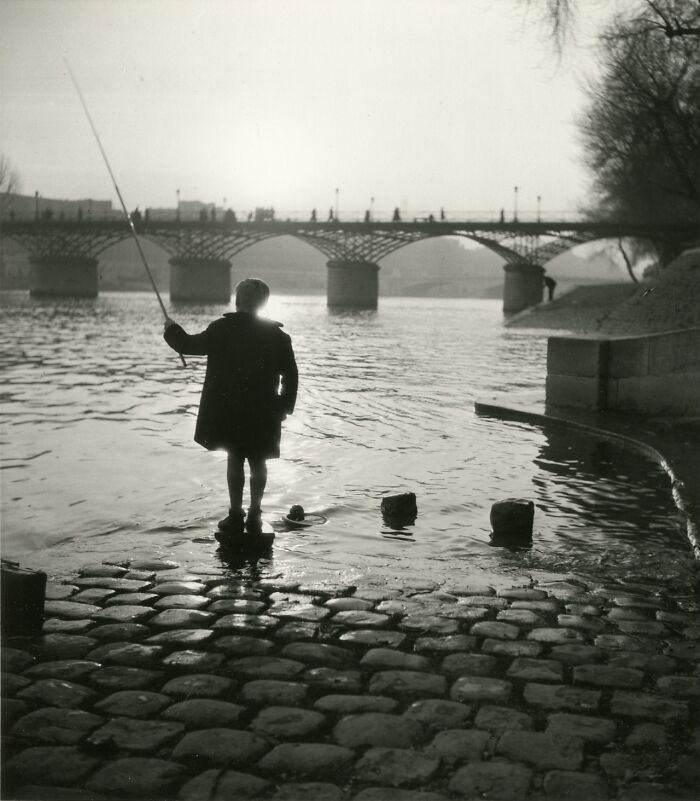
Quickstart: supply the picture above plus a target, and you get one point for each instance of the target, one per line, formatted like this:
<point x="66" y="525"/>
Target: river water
<point x="99" y="461"/>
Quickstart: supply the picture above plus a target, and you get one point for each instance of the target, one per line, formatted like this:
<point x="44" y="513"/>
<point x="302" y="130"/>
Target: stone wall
<point x="653" y="374"/>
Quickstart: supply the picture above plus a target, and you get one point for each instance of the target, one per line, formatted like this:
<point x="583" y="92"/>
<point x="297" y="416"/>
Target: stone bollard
<point x="22" y="600"/>
<point x="511" y="522"/>
<point x="400" y="510"/>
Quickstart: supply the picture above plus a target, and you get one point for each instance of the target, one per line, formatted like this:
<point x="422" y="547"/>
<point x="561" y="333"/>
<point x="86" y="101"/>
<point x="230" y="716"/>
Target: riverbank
<point x="151" y="681"/>
<point x="668" y="301"/>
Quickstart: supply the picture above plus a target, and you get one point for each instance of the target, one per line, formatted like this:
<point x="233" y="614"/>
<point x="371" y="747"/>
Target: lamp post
<point x="337" y="203"/>
<point x="539" y="201"/>
<point x="36" y="205"/>
<point x="371" y="206"/>
<point x="177" y="208"/>
<point x="515" y="204"/>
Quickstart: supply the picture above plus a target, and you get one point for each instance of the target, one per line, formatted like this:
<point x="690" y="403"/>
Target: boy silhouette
<point x="249" y="388"/>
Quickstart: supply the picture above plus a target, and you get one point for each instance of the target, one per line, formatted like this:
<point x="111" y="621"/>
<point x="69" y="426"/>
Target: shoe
<point x="232" y="523"/>
<point x="253" y="523"/>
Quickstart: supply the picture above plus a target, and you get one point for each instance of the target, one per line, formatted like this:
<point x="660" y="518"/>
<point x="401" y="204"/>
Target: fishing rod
<point x="119" y="195"/>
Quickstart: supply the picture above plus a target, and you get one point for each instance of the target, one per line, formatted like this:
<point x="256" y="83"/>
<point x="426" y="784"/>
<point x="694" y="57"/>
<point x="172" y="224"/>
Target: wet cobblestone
<point x="150" y="681"/>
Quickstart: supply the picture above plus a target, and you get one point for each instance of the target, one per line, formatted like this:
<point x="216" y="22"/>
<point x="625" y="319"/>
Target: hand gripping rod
<point x="119" y="195"/>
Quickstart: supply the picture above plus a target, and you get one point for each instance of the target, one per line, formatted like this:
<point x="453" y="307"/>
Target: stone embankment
<point x="150" y="682"/>
<point x="669" y="301"/>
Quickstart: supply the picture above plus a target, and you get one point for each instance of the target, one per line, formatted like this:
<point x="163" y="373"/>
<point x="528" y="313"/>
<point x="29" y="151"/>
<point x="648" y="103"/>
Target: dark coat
<point x="250" y="384"/>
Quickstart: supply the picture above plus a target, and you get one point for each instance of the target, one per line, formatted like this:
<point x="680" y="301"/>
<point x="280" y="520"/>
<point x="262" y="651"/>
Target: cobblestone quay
<point x="150" y="682"/>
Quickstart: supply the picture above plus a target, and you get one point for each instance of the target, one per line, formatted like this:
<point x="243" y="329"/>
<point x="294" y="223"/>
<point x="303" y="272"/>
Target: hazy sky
<point x="419" y="103"/>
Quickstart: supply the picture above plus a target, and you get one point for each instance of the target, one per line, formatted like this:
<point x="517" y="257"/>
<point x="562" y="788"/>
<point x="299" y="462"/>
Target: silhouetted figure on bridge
<point x="551" y="284"/>
<point x="431" y="218"/>
<point x="136" y="217"/>
<point x="397" y="215"/>
<point x="249" y="389"/>
<point x="313" y="215"/>
<point x="502" y="216"/>
<point x="331" y="216"/>
<point x="367" y="216"/>
<point x="442" y="214"/>
<point x="230" y="217"/>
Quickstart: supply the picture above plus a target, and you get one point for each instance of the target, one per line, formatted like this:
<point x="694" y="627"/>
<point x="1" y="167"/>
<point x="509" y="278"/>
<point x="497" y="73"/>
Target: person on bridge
<point x="249" y="389"/>
<point x="313" y="215"/>
<point x="397" y="215"/>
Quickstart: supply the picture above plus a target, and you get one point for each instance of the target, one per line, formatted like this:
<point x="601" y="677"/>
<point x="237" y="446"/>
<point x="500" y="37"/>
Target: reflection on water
<point x="98" y="418"/>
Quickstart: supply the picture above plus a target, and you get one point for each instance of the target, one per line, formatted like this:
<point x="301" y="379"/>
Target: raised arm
<point x="182" y="342"/>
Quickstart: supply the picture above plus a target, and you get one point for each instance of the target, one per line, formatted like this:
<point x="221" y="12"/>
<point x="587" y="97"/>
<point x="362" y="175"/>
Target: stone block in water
<point x="23" y="595"/>
<point x="511" y="521"/>
<point x="400" y="510"/>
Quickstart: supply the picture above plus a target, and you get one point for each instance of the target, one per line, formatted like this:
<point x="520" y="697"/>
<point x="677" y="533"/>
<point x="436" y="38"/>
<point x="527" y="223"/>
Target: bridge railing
<point x="304" y="215"/>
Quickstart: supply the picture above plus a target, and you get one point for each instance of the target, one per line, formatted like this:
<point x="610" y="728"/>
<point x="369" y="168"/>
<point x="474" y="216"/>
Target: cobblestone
<point x="520" y="648"/>
<point x="456" y="746"/>
<point x="198" y="685"/>
<point x="607" y="676"/>
<point x="307" y="760"/>
<point x="269" y="691"/>
<point x="499" y="719"/>
<point x="63" y="765"/>
<point x="469" y="665"/>
<point x="138" y="736"/>
<point x="637" y="705"/>
<point x="218" y="785"/>
<point x="247" y="702"/>
<point x="377" y="729"/>
<point x="396" y="767"/>
<point x="56" y="726"/>
<point x="497" y="780"/>
<point x="594" y="730"/>
<point x="407" y="683"/>
<point x="439" y="714"/>
<point x="560" y="696"/>
<point x="133" y="703"/>
<point x="543" y="751"/>
<point x="221" y="747"/>
<point x="348" y="704"/>
<point x="283" y="722"/>
<point x="449" y="644"/>
<point x="199" y="713"/>
<point x="66" y="669"/>
<point x="574" y="786"/>
<point x="54" y="692"/>
<point x="526" y="669"/>
<point x="137" y="777"/>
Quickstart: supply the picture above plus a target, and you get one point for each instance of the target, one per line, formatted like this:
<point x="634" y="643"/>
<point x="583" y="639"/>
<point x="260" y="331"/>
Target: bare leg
<point x="236" y="480"/>
<point x="258" y="481"/>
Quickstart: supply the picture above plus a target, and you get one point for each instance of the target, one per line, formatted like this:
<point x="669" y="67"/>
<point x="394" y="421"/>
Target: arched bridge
<point x="64" y="253"/>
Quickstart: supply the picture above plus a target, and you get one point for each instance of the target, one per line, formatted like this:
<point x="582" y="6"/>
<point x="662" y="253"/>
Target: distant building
<point x="28" y="207"/>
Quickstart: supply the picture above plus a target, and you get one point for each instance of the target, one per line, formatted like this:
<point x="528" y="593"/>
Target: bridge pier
<point x="352" y="284"/>
<point x="200" y="280"/>
<point x="522" y="287"/>
<point x="63" y="276"/>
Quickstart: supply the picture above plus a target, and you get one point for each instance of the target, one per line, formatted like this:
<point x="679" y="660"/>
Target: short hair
<point x="251" y="293"/>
